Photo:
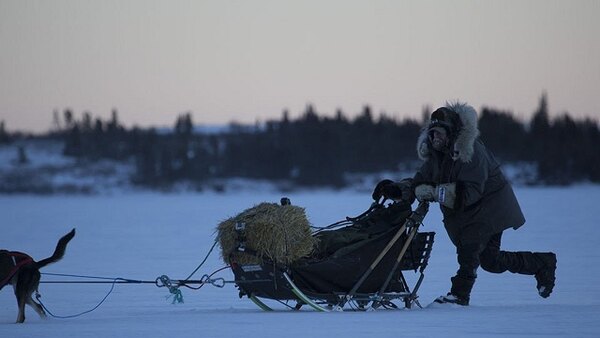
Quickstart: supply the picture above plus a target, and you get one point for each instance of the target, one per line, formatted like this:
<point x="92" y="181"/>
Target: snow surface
<point x="144" y="235"/>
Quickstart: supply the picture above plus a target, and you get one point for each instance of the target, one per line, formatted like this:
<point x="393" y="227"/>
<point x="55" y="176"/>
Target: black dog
<point x="23" y="273"/>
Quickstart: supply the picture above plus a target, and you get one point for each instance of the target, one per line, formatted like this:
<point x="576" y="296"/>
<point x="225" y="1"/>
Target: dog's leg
<point x="36" y="284"/>
<point x="20" y="304"/>
<point x="37" y="307"/>
<point x="27" y="281"/>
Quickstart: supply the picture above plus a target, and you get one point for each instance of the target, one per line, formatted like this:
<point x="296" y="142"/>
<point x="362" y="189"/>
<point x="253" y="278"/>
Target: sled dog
<point x="23" y="273"/>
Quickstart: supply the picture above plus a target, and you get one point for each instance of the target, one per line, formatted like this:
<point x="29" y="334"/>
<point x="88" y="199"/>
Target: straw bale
<point x="280" y="233"/>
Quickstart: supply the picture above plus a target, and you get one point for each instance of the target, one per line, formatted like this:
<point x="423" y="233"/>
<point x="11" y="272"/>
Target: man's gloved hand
<point x="444" y="193"/>
<point x="425" y="193"/>
<point x="405" y="191"/>
<point x="397" y="191"/>
<point x="379" y="188"/>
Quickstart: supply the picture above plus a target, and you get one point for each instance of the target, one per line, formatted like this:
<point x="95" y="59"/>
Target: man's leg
<point x="462" y="282"/>
<point x="540" y="264"/>
<point x="468" y="261"/>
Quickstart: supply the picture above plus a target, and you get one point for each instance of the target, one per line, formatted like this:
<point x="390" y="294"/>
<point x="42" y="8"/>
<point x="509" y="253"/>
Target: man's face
<point x="439" y="139"/>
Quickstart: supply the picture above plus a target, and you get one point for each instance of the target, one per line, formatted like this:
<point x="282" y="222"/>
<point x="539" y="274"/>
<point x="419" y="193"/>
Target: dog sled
<point x="359" y="263"/>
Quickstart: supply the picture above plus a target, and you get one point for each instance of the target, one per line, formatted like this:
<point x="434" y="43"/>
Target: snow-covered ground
<point x="140" y="235"/>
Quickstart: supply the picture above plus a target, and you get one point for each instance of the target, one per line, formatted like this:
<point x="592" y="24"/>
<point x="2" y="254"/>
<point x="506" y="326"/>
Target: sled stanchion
<point x="398" y="260"/>
<point x="427" y="253"/>
<point x="378" y="259"/>
<point x="415" y="219"/>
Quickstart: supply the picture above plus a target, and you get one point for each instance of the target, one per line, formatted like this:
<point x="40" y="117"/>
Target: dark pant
<point x="492" y="259"/>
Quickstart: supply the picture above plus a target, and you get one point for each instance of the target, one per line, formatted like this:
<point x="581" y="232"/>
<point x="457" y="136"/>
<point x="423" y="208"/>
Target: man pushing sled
<point x="476" y="200"/>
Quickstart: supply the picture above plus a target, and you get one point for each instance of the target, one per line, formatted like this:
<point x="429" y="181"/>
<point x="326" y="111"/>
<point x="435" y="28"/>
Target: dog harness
<point x="10" y="263"/>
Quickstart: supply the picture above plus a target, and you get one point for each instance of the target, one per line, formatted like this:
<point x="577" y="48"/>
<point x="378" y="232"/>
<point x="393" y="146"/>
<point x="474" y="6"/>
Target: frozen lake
<point x="145" y="235"/>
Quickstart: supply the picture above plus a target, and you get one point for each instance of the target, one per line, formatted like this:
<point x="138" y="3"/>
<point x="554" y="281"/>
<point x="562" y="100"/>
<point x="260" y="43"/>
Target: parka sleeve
<point x="471" y="179"/>
<point x="424" y="174"/>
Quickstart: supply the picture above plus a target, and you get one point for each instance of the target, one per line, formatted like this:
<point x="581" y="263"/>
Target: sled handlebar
<point x="422" y="209"/>
<point x="417" y="216"/>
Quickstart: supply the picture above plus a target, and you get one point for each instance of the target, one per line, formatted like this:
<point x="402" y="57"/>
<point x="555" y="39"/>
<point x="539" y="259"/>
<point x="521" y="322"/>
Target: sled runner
<point x="359" y="263"/>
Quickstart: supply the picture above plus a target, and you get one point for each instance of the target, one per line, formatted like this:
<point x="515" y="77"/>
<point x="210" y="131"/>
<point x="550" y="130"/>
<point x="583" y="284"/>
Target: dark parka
<point x="485" y="202"/>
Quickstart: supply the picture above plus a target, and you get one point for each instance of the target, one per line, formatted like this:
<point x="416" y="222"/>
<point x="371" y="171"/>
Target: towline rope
<point x="172" y="285"/>
<point x="162" y="281"/>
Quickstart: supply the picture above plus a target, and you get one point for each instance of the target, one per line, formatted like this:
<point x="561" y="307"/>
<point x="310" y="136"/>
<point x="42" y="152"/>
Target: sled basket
<point x="360" y="264"/>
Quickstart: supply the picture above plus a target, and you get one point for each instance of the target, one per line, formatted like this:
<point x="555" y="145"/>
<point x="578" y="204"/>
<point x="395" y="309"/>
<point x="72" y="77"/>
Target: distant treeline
<point x="315" y="150"/>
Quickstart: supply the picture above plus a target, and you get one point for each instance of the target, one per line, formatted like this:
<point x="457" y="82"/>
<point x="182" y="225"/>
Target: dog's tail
<point x="59" y="252"/>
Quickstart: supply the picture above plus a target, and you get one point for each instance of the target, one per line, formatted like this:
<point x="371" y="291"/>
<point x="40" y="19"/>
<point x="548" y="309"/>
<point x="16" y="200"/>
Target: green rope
<point x="177" y="295"/>
<point x="174" y="290"/>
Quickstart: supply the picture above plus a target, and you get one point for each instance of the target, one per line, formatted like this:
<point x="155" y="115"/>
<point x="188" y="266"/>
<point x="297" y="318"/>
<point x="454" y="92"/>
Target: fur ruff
<point x="464" y="144"/>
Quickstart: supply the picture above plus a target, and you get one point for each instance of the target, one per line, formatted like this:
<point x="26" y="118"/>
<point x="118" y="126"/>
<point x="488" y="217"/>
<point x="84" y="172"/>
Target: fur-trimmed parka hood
<point x="464" y="138"/>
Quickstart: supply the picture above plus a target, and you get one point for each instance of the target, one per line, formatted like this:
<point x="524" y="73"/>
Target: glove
<point x="444" y="193"/>
<point x="425" y="193"/>
<point x="401" y="191"/>
<point x="397" y="191"/>
<point x="378" y="191"/>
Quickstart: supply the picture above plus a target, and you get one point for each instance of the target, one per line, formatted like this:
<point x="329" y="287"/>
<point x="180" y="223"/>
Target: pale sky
<point x="250" y="59"/>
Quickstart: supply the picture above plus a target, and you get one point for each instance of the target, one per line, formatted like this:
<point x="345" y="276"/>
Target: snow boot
<point x="452" y="299"/>
<point x="546" y="276"/>
<point x="459" y="293"/>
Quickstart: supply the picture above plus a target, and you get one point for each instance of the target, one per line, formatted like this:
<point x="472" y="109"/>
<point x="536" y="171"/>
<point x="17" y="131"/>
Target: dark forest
<point x="315" y="150"/>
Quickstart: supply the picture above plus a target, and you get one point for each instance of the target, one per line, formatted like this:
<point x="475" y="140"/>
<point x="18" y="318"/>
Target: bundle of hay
<point x="278" y="232"/>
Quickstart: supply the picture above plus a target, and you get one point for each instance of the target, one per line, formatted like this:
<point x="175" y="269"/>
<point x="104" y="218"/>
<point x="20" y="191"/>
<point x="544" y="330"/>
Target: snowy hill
<point x="144" y="235"/>
<point x="38" y="166"/>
